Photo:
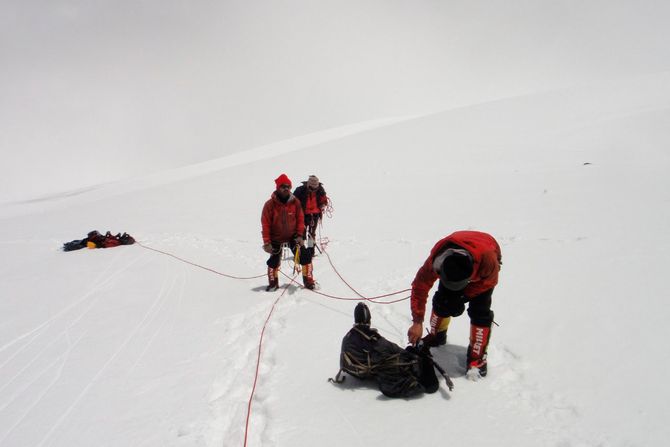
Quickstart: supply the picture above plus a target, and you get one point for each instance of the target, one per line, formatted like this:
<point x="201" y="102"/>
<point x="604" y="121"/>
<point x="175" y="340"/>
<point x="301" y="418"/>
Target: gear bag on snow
<point x="96" y="240"/>
<point x="399" y="372"/>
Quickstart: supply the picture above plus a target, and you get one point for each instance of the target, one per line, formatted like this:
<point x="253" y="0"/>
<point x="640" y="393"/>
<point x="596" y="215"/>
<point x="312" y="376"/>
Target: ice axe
<point x="424" y="352"/>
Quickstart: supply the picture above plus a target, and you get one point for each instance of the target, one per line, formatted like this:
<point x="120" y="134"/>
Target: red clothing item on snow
<point x="282" y="222"/>
<point x="486" y="256"/>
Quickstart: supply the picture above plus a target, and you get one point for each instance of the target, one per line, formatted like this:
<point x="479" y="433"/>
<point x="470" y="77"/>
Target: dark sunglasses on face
<point x="284" y="186"/>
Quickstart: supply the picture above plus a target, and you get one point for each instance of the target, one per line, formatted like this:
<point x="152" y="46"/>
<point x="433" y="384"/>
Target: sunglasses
<point x="284" y="186"/>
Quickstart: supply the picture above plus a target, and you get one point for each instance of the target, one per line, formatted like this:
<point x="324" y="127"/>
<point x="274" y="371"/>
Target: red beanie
<point x="283" y="180"/>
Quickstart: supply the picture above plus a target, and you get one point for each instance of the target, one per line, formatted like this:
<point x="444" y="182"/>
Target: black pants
<point x="275" y="257"/>
<point x="447" y="303"/>
<point x="311" y="222"/>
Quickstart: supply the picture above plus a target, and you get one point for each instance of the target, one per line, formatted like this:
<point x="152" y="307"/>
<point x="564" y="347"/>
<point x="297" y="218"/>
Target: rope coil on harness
<point x="328" y="210"/>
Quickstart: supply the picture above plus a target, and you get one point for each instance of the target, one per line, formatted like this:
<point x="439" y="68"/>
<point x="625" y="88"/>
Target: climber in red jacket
<point x="467" y="264"/>
<point x="283" y="221"/>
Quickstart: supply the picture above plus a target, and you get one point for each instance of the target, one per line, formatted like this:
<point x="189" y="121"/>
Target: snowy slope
<point x="129" y="346"/>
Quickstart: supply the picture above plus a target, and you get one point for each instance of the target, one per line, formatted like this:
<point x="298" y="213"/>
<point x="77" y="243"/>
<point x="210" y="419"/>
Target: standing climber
<point x="313" y="198"/>
<point x="282" y="222"/>
<point x="467" y="264"/>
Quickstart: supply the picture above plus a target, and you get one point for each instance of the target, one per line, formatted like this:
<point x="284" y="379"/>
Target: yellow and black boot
<point x="307" y="277"/>
<point x="438" y="331"/>
<point x="273" y="279"/>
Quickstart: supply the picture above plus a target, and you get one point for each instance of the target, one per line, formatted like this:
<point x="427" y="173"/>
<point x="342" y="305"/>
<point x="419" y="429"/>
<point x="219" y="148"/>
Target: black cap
<point x="456" y="269"/>
<point x="362" y="314"/>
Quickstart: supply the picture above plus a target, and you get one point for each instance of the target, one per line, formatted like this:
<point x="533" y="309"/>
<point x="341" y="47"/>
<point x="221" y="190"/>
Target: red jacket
<point x="486" y="255"/>
<point x="282" y="222"/>
<point x="312" y="201"/>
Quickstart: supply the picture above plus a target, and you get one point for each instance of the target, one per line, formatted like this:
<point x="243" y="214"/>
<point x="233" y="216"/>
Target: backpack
<point x="96" y="240"/>
<point x="399" y="372"/>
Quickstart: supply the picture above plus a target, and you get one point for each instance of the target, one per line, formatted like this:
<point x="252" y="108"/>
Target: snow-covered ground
<point x="543" y="123"/>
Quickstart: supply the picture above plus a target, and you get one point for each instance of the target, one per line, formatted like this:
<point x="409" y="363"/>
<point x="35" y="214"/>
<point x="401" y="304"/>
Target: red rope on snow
<point x="323" y="249"/>
<point x="371" y="299"/>
<point x="258" y="363"/>
<point x="330" y="261"/>
<point x="361" y="297"/>
<point x="198" y="265"/>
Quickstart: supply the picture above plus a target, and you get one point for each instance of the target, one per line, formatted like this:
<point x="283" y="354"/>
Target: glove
<point x="267" y="248"/>
<point x="298" y="240"/>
